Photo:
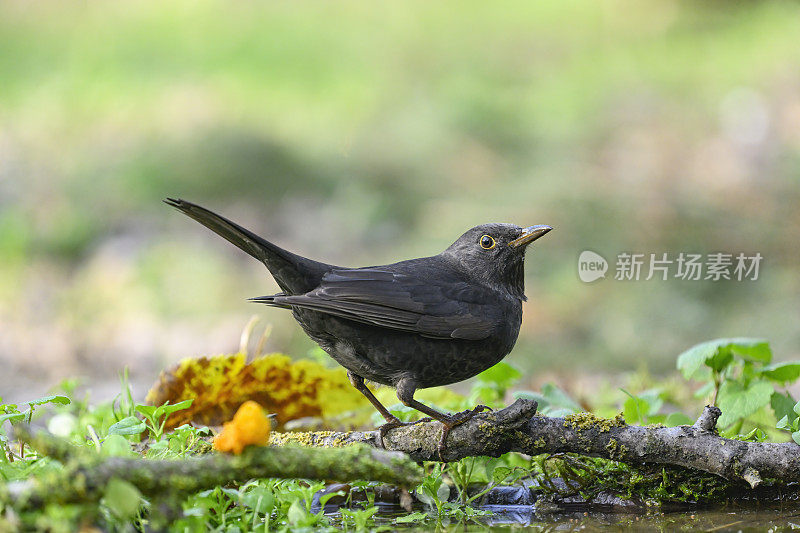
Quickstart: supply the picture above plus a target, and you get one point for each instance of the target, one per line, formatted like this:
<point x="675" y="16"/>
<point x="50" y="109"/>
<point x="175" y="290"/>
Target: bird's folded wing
<point x="440" y="308"/>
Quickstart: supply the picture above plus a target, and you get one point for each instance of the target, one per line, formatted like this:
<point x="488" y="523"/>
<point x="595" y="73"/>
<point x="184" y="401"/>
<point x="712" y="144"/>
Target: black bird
<point x="411" y="325"/>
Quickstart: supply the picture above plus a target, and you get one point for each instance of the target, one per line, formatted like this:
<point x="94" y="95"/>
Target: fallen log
<point x="85" y="477"/>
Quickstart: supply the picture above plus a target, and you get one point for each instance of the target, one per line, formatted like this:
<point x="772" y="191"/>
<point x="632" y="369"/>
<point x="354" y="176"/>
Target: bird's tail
<point x="271" y="300"/>
<point x="292" y="272"/>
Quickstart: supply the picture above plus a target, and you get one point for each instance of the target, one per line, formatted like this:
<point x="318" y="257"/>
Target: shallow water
<point x="515" y="517"/>
<point x="703" y="520"/>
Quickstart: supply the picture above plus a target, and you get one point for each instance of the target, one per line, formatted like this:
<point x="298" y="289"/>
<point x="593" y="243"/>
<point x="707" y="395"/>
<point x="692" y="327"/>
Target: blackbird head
<point x="495" y="254"/>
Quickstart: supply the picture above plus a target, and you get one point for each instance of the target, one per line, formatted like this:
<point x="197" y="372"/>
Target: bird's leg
<point x="391" y="420"/>
<point x="405" y="392"/>
<point x="358" y="383"/>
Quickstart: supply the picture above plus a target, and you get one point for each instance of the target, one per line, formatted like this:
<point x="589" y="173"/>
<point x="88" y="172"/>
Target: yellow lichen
<point x="249" y="426"/>
<point x="289" y="389"/>
<point x="585" y="420"/>
<point x="316" y="438"/>
<point x="616" y="450"/>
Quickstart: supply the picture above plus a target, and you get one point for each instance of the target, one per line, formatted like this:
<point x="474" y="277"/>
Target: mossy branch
<point x="518" y="428"/>
<point x="85" y="476"/>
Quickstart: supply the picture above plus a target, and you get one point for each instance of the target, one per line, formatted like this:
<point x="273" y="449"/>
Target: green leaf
<point x="12" y="417"/>
<point x="297" y="514"/>
<point x="122" y="498"/>
<point x="737" y="402"/>
<point x="117" y="446"/>
<point x="323" y="499"/>
<point x="57" y="399"/>
<point x="782" y="404"/>
<point x="147" y="410"/>
<point x="127" y="426"/>
<point x="489" y="464"/>
<point x="782" y="372"/>
<point x="652" y="397"/>
<point x="690" y="361"/>
<point x="500" y="474"/>
<point x="796" y="408"/>
<point x="158" y="449"/>
<point x="9" y="408"/>
<point x="783" y="423"/>
<point x="233" y="494"/>
<point x="416" y="516"/>
<point x="678" y="419"/>
<point x="715" y="354"/>
<point x="752" y="349"/>
<point x="720" y="360"/>
<point x="443" y="492"/>
<point x="635" y="410"/>
<point x="169" y="409"/>
<point x="428" y="492"/>
<point x="155" y="413"/>
<point x="755" y="435"/>
<point x="638" y="409"/>
<point x="260" y="497"/>
<point x="551" y="400"/>
<point x="796" y="437"/>
<point x="501" y="376"/>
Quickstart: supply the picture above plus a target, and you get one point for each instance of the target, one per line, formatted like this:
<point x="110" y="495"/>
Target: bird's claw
<point x="396" y="423"/>
<point x="456" y="420"/>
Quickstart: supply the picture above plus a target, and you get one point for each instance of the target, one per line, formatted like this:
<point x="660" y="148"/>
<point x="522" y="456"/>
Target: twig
<point x="517" y="428"/>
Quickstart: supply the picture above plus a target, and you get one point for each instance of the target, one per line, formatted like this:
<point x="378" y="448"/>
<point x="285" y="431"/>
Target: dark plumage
<point x="414" y="324"/>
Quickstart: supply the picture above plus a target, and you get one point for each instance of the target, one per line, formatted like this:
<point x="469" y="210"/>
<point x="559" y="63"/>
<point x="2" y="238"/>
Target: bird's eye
<point x="487" y="242"/>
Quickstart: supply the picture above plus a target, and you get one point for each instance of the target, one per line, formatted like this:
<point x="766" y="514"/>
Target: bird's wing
<point x="438" y="308"/>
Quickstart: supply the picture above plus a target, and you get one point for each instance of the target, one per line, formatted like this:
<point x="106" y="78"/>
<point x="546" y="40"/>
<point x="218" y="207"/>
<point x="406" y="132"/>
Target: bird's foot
<point x="396" y="423"/>
<point x="456" y="420"/>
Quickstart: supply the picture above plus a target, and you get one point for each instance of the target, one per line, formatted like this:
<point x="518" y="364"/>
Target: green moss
<point x="653" y="485"/>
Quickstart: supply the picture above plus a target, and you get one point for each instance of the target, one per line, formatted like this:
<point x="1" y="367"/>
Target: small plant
<point x="643" y="408"/>
<point x="185" y="438"/>
<point x="462" y="473"/>
<point x="361" y="519"/>
<point x="434" y="492"/>
<point x="791" y="424"/>
<point x="9" y="412"/>
<point x="492" y="471"/>
<point x="739" y="378"/>
<point x="413" y="518"/>
<point x="155" y="417"/>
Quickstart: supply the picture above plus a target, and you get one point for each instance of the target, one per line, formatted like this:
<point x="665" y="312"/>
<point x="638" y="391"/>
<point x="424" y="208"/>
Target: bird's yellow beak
<point x="530" y="234"/>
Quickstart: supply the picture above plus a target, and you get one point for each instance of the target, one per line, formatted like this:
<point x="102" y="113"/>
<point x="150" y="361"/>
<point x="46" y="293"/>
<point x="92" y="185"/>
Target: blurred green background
<point x="364" y="133"/>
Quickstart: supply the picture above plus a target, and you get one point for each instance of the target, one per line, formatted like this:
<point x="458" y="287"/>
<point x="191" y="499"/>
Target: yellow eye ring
<point x="487" y="242"/>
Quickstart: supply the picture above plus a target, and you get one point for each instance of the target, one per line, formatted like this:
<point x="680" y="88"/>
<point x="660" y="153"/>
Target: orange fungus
<point x="249" y="426"/>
